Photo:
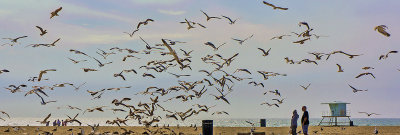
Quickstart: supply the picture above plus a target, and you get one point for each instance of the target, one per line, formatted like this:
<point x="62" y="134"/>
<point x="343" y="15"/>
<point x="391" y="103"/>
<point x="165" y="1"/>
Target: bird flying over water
<point x="369" y="114"/>
<point x="45" y="120"/>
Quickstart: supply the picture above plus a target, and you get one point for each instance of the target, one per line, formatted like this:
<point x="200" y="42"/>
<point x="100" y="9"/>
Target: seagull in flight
<point x="208" y="17"/>
<point x="369" y="114"/>
<point x="144" y="23"/>
<point x="231" y="22"/>
<point x="279" y="37"/>
<point x="305" y="88"/>
<point x="55" y="12"/>
<point x="274" y="7"/>
<point x="4" y="71"/>
<point x="355" y="90"/>
<point x="340" y="68"/>
<point x="367" y="73"/>
<point x="13" y="40"/>
<point x="382" y="29"/>
<point x="241" y="41"/>
<point x="44" y="72"/>
<point x="42" y="31"/>
<point x="265" y="53"/>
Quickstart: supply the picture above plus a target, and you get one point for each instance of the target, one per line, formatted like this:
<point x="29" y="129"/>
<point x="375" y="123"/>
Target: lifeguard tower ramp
<point x="337" y="110"/>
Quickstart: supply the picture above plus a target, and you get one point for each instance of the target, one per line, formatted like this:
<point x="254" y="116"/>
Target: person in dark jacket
<point x="293" y="123"/>
<point x="305" y="120"/>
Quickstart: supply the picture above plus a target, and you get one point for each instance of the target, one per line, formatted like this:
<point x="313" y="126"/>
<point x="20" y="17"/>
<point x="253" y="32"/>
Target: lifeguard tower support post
<point x="337" y="110"/>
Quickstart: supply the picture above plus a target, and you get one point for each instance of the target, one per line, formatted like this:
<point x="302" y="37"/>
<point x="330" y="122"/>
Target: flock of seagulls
<point x="217" y="83"/>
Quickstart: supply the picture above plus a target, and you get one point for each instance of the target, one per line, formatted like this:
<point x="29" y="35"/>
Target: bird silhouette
<point x="340" y="68"/>
<point x="55" y="12"/>
<point x="274" y="7"/>
<point x="144" y="23"/>
<point x="305" y="87"/>
<point x="382" y="29"/>
<point x="42" y="31"/>
<point x="44" y="72"/>
<point x="369" y="114"/>
<point x="355" y="90"/>
<point x="208" y="17"/>
<point x="265" y="53"/>
<point x="230" y="20"/>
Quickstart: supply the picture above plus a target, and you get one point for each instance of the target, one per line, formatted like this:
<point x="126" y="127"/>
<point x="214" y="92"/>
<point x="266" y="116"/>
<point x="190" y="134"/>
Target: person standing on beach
<point x="55" y="123"/>
<point x="293" y="125"/>
<point x="58" y="122"/>
<point x="305" y="120"/>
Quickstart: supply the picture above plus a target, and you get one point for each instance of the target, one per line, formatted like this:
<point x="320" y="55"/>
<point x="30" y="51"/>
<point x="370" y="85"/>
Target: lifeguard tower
<point x="337" y="110"/>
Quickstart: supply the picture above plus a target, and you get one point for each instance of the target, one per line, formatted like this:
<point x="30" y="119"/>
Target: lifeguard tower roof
<point x="336" y="102"/>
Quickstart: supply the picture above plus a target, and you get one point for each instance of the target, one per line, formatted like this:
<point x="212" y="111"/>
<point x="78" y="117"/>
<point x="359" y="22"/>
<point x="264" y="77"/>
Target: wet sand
<point x="362" y="130"/>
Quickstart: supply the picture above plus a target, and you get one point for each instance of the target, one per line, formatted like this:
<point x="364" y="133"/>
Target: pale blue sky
<point x="88" y="25"/>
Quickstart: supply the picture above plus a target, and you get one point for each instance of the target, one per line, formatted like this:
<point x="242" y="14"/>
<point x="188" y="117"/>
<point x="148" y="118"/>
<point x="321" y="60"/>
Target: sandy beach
<point x="362" y="130"/>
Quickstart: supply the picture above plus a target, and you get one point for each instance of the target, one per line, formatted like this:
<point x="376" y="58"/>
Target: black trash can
<point x="207" y="126"/>
<point x="351" y="123"/>
<point x="263" y="122"/>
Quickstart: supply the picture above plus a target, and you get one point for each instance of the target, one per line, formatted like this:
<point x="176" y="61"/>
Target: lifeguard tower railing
<point x="332" y="118"/>
<point x="330" y="113"/>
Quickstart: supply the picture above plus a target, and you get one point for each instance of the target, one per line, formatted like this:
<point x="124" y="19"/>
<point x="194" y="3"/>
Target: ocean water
<point x="273" y="122"/>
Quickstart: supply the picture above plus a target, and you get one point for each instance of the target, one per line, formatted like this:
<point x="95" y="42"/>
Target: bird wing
<point x="3" y="112"/>
<point x="352" y="88"/>
<point x="204" y="13"/>
<point x="281" y="8"/>
<point x="269" y="4"/>
<point x="228" y="18"/>
<point x="58" y="10"/>
<point x="56" y="41"/>
<point x="172" y="52"/>
<point x="371" y="75"/>
<point x="40" y="75"/>
<point x="382" y="29"/>
<point x="140" y="23"/>
<point x="48" y="116"/>
<point x="340" y="67"/>
<point x="40" y="28"/>
<point x="262" y="50"/>
<point x="360" y="75"/>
